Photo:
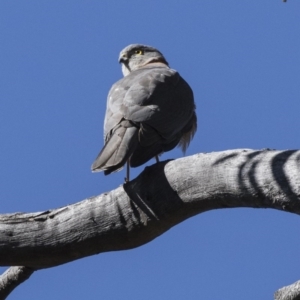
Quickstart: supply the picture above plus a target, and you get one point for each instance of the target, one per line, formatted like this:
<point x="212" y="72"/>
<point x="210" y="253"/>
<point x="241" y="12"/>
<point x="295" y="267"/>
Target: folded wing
<point x="149" y="111"/>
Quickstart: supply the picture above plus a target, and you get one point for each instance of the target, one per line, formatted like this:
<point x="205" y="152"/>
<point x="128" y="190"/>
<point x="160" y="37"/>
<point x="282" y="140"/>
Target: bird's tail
<point x="188" y="133"/>
<point x="117" y="150"/>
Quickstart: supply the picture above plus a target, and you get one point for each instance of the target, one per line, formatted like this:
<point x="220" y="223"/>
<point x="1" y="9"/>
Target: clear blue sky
<point x="58" y="60"/>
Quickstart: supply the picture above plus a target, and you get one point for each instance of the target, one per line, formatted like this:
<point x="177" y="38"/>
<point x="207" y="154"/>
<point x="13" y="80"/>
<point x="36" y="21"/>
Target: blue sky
<point x="58" y="60"/>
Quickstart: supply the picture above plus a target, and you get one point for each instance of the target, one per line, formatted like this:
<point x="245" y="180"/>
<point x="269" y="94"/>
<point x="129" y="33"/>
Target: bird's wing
<point x="160" y="101"/>
<point x="148" y="109"/>
<point x="114" y="107"/>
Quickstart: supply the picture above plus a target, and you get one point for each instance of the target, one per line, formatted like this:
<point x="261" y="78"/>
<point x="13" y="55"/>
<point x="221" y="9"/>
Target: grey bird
<point x="149" y="111"/>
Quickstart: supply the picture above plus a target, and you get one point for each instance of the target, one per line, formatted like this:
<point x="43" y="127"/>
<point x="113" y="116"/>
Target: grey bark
<point x="162" y="196"/>
<point x="290" y="292"/>
<point x="11" y="278"/>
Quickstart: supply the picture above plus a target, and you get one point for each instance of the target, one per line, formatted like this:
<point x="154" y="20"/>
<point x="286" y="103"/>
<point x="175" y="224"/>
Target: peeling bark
<point x="162" y="196"/>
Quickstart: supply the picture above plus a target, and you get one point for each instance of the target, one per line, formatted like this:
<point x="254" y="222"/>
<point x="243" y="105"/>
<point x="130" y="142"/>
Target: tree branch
<point x="11" y="278"/>
<point x="290" y="292"/>
<point x="162" y="196"/>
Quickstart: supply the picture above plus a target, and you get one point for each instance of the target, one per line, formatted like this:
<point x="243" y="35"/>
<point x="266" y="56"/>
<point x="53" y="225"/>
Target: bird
<point x="149" y="111"/>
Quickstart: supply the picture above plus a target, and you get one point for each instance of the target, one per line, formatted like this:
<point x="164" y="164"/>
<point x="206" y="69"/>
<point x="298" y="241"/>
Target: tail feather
<point x="188" y="133"/>
<point x="117" y="150"/>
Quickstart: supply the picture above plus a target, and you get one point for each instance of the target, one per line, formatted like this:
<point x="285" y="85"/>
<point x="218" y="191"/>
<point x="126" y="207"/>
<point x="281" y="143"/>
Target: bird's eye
<point x="140" y="52"/>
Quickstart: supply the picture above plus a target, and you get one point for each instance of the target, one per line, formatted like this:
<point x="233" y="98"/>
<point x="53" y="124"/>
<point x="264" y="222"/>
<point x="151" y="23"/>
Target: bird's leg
<point x="156" y="158"/>
<point x="127" y="170"/>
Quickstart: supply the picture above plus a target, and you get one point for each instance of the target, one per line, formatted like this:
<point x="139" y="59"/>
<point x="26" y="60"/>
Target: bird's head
<point x="136" y="56"/>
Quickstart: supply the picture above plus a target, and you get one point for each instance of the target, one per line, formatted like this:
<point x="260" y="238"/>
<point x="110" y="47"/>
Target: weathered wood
<point x="162" y="196"/>
<point x="11" y="278"/>
<point x="290" y="292"/>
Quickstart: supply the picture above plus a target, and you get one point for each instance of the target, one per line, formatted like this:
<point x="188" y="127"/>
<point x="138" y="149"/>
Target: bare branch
<point x="290" y="292"/>
<point x="11" y="278"/>
<point x="162" y="196"/>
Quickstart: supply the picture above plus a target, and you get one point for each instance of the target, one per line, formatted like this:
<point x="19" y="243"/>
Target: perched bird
<point x="149" y="111"/>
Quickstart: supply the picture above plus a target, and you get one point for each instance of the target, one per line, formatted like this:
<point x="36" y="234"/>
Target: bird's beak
<point x="123" y="58"/>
